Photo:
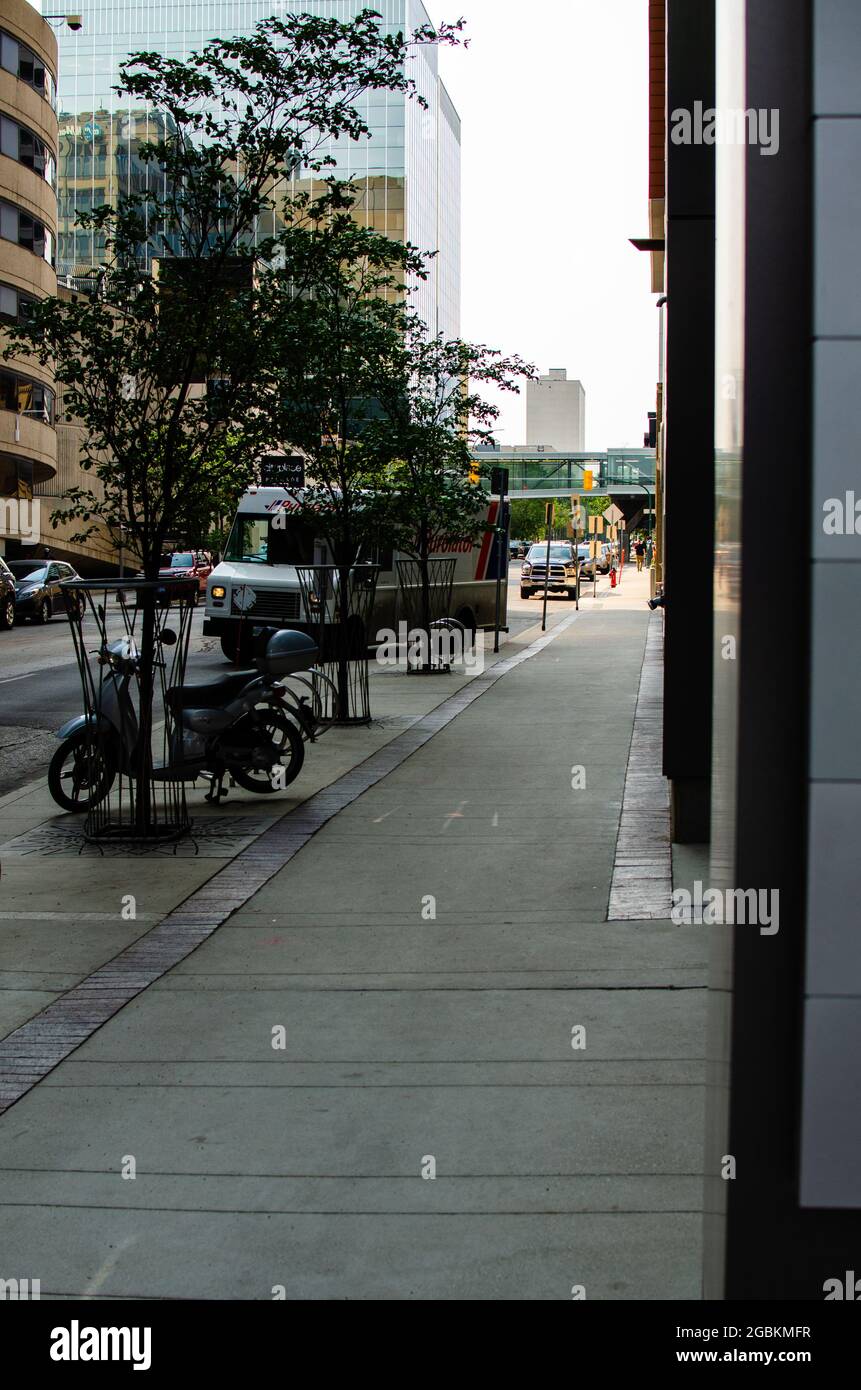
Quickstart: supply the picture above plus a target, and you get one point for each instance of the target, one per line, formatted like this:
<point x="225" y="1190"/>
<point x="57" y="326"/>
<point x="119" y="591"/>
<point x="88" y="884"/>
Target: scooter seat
<point x="210" y="694"/>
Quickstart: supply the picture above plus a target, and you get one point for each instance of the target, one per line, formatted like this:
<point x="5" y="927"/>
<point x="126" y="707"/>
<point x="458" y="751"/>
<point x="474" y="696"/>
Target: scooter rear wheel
<point x="80" y="775"/>
<point x="282" y="732"/>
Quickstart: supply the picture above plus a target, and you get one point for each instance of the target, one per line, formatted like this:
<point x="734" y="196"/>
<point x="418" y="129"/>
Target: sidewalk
<point x="427" y="950"/>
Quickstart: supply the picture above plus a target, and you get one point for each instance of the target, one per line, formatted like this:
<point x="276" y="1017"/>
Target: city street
<point x="323" y="1077"/>
<point x="40" y="687"/>
<point x="474" y="930"/>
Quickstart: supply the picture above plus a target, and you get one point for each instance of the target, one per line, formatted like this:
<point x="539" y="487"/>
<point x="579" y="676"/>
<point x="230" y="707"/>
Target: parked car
<point x="589" y="565"/>
<point x="7" y="595"/>
<point x="38" y="595"/>
<point x="606" y="556"/>
<point x="188" y="564"/>
<point x="563" y="569"/>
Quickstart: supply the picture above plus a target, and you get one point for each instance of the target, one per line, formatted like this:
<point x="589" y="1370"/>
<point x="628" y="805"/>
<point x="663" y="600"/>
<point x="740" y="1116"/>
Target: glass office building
<point x="407" y="175"/>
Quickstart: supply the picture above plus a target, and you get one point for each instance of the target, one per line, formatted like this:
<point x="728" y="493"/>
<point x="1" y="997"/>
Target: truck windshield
<point x="258" y="540"/>
<point x="557" y="552"/>
<point x="248" y="542"/>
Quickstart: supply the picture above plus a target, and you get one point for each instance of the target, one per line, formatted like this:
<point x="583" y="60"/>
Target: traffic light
<point x="499" y="481"/>
<point x="474" y="473"/>
<point x="588" y="480"/>
<point x="650" y="438"/>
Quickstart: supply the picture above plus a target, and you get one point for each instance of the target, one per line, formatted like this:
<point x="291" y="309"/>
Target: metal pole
<point x="548" y="515"/>
<point x="593" y="547"/>
<point x="502" y="553"/>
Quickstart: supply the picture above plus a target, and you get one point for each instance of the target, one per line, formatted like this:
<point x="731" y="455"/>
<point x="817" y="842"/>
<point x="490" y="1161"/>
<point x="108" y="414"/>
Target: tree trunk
<point x="146" y="687"/>
<point x="424" y="574"/>
<point x="344" y="640"/>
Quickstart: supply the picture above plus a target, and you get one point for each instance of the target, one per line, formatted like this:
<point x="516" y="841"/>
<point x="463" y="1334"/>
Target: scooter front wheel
<point x="81" y="773"/>
<point x="280" y="731"/>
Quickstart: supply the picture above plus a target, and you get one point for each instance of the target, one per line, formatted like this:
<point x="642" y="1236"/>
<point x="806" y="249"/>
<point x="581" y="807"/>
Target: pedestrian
<point x="640" y="552"/>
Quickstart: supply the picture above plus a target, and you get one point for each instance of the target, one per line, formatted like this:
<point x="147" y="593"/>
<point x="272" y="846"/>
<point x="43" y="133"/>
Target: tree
<point x="335" y="317"/>
<point x="435" y="416"/>
<point x="527" y="518"/>
<point x="161" y="361"/>
<point x="334" y="308"/>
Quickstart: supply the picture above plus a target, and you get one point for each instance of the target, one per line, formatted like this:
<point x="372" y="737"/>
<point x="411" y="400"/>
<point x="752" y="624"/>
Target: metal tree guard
<point x="131" y="739"/>
<point x="424" y="597"/>
<point x="339" y="602"/>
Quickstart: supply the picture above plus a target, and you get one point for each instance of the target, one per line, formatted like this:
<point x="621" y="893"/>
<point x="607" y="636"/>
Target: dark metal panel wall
<point x="689" y="455"/>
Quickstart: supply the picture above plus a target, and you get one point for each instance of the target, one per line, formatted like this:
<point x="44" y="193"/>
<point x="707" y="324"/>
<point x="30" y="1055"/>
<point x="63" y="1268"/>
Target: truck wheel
<point x="572" y="594"/>
<point x="237" y="649"/>
<point x="470" y="626"/>
<point x="525" y="593"/>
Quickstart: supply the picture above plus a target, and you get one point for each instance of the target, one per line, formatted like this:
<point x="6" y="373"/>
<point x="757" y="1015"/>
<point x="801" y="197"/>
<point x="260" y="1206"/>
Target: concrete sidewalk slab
<point x="49" y="881"/>
<point x="351" y="1256"/>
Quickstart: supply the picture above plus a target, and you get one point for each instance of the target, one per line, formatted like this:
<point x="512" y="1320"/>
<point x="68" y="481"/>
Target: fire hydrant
<point x="613" y="577"/>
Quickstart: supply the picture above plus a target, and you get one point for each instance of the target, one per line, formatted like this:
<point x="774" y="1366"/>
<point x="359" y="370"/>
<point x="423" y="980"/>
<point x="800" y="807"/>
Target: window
<point x="248" y="540"/>
<point x="14" y="304"/>
<point x="33" y="573"/>
<point x="27" y="231"/>
<point x="292" y="544"/>
<point x="26" y="397"/>
<point x="17" y="58"/>
<point x="8" y="303"/>
<point x="22" y="144"/>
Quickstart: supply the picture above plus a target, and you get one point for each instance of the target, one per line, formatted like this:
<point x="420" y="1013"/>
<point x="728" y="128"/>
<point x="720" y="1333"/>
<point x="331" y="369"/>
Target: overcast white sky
<point x="553" y="97"/>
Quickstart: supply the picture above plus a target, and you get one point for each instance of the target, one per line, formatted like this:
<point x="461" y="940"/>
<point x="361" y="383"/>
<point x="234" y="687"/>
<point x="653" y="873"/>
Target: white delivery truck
<point x="257" y="585"/>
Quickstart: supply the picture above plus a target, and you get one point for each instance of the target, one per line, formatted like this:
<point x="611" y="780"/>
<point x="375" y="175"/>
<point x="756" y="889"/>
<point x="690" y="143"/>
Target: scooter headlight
<point x="218" y="591"/>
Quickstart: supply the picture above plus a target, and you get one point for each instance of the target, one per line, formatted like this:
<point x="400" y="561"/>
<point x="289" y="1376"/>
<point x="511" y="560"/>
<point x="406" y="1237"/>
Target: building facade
<point x="762" y="645"/>
<point x="407" y="175"/>
<point x="28" y="230"/>
<point x="556" y="412"/>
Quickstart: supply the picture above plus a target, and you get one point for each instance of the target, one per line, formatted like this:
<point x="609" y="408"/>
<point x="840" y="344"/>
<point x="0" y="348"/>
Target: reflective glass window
<point x="28" y="66"/>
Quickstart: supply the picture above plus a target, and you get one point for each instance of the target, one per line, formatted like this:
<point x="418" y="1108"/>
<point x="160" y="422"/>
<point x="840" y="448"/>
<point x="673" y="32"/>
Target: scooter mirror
<point x="168" y="637"/>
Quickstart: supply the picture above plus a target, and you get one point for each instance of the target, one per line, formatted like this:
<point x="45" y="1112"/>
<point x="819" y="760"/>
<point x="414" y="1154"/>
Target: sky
<point x="553" y="96"/>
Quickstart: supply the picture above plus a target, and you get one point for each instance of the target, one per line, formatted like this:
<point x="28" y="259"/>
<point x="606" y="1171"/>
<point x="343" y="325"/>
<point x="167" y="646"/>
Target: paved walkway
<point x="399" y="999"/>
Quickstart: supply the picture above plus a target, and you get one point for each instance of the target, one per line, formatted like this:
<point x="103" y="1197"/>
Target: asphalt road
<point x="40" y="687"/>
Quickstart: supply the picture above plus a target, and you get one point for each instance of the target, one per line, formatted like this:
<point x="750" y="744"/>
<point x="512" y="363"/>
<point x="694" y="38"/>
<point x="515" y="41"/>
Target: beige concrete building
<point x="28" y="232"/>
<point x="556" y="412"/>
<point x="39" y="449"/>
